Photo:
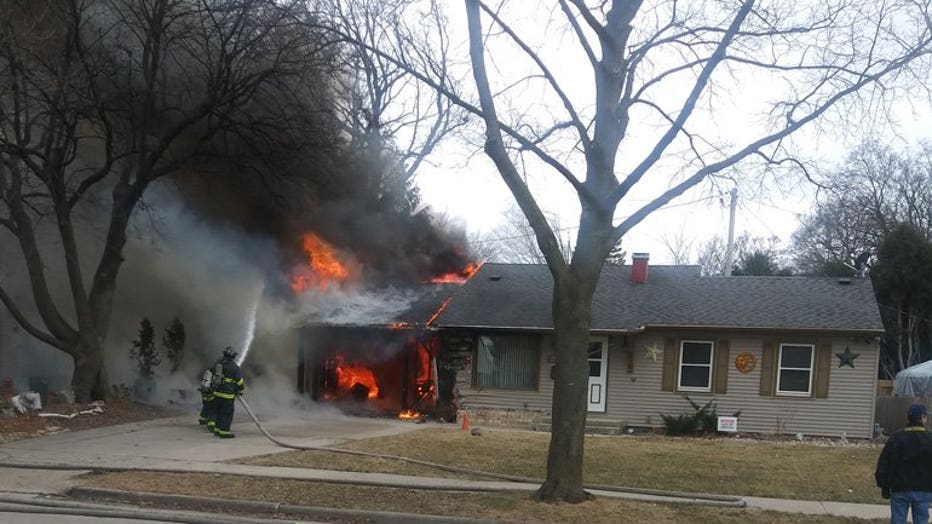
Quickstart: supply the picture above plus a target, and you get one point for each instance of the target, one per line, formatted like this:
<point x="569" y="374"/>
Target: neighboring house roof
<point x="519" y="296"/>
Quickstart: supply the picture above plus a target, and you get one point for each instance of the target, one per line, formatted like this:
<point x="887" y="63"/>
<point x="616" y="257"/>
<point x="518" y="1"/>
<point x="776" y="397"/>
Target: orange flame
<point x="324" y="265"/>
<point x="457" y="277"/>
<point x="348" y="375"/>
<point x="439" y="310"/>
<point x="409" y="414"/>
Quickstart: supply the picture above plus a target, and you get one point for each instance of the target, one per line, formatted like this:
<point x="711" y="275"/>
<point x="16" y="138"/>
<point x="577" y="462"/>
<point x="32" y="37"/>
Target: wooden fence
<point x="890" y="412"/>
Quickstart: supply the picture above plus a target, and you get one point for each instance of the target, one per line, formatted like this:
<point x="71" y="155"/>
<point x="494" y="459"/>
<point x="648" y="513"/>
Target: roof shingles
<point x="672" y="296"/>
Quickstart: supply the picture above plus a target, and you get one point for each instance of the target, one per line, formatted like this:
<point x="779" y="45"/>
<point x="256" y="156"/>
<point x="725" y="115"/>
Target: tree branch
<point x="923" y="49"/>
<point x="548" y="159"/>
<point x="29" y="327"/>
<point x="688" y="106"/>
<point x="580" y="35"/>
<point x="495" y="148"/>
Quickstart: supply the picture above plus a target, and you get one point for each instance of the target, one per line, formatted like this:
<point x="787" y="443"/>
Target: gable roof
<point x="673" y="296"/>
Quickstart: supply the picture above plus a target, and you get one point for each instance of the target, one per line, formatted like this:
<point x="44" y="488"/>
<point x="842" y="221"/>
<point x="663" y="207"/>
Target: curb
<point x="50" y="506"/>
<point x="254" y="506"/>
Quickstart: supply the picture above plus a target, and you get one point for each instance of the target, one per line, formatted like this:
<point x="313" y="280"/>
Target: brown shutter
<point x="720" y="375"/>
<point x="670" y="360"/>
<point x="767" y="361"/>
<point x="823" y="369"/>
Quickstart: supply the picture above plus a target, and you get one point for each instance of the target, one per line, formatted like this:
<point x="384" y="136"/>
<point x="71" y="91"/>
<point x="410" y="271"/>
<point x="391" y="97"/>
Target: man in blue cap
<point x="904" y="469"/>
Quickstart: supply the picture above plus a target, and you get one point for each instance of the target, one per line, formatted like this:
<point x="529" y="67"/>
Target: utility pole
<point x="730" y="250"/>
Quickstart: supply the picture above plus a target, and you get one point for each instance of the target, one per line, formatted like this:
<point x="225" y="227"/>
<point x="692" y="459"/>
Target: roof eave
<point x="726" y="327"/>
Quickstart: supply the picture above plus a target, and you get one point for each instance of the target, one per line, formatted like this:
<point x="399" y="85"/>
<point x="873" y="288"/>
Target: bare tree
<point x="110" y="96"/>
<point x="514" y="241"/>
<point x="679" y="247"/>
<point x="711" y="254"/>
<point x="388" y="114"/>
<point x="656" y="65"/>
<point x="627" y="70"/>
<point x="865" y="199"/>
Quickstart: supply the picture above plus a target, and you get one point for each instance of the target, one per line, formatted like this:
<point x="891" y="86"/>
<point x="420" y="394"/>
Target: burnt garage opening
<point x="374" y="371"/>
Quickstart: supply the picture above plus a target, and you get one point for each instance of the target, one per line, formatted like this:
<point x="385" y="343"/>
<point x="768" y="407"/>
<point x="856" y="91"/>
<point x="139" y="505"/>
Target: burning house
<point x="382" y="365"/>
<point x="370" y="349"/>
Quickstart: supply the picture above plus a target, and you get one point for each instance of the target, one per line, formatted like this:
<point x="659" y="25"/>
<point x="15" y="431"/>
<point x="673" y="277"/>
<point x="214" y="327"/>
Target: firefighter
<point x="227" y="387"/>
<point x="207" y="397"/>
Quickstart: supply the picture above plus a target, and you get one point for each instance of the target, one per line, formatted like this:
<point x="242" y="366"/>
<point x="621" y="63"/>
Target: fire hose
<point x="726" y="500"/>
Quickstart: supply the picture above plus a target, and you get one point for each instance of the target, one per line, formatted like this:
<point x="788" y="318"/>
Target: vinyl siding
<point x="635" y="398"/>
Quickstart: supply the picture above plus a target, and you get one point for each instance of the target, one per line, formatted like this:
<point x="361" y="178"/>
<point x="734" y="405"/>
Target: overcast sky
<point x="462" y="182"/>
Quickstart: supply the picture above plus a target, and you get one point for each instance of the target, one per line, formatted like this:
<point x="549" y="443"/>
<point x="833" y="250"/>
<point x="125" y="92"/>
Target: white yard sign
<point x="728" y="424"/>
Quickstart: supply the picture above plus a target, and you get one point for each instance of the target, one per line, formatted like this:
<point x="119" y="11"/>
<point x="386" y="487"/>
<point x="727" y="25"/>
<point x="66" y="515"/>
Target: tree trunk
<point x="89" y="379"/>
<point x="572" y="304"/>
<point x="90" y="373"/>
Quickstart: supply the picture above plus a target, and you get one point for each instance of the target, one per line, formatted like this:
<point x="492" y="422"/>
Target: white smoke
<point x="349" y="306"/>
<point x="213" y="279"/>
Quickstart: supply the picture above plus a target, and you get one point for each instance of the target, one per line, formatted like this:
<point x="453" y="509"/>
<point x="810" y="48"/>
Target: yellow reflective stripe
<point x="228" y="396"/>
<point x="241" y="381"/>
<point x="914" y="428"/>
<point x="221" y="432"/>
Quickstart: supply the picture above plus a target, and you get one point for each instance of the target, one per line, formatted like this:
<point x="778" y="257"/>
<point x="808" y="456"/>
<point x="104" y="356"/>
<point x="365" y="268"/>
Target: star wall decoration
<point x="846" y="358"/>
<point x="652" y="352"/>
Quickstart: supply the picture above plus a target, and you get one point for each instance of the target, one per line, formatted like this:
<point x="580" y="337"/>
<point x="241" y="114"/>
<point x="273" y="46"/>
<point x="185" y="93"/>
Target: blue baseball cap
<point x="917" y="410"/>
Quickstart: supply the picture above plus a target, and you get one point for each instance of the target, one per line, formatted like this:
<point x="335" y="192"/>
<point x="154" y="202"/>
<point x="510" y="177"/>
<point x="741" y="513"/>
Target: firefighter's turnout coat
<point x="228" y="383"/>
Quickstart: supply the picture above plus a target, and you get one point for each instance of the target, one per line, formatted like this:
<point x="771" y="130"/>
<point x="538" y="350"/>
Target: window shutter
<point x="767" y="366"/>
<point x="669" y="364"/>
<point x="720" y="376"/>
<point x="823" y="369"/>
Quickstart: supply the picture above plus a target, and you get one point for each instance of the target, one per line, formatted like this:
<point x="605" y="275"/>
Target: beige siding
<point x="535" y="400"/>
<point x="636" y="398"/>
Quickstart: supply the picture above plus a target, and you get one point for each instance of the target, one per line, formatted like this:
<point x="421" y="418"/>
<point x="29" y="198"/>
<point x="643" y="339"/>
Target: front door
<point x="598" y="373"/>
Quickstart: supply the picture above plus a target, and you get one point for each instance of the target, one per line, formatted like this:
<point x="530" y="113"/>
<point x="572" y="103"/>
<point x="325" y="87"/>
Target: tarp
<point x="915" y="381"/>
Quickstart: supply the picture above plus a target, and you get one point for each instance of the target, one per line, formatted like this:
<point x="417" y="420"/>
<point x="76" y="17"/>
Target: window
<point x="794" y="370"/>
<point x="507" y="362"/>
<point x="695" y="366"/>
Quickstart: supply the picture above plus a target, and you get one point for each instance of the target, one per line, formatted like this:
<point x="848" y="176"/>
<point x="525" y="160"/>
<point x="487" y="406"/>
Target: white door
<point x="598" y="372"/>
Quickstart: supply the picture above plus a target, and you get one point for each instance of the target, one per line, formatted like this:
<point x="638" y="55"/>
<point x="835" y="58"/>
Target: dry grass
<point x="727" y="466"/>
<point x="509" y="507"/>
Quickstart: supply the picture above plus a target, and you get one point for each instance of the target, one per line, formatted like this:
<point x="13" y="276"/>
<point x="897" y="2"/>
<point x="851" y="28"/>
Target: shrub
<point x="173" y="340"/>
<point x="144" y="352"/>
<point x="704" y="420"/>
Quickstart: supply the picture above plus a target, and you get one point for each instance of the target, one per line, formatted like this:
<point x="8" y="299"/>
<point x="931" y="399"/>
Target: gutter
<point x="647" y="327"/>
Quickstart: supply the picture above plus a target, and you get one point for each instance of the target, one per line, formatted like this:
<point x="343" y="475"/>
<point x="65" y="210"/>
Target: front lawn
<point x="795" y="470"/>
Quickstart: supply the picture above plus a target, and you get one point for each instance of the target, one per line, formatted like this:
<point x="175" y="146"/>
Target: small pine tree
<point x="144" y="351"/>
<point x="617" y="255"/>
<point x="173" y="340"/>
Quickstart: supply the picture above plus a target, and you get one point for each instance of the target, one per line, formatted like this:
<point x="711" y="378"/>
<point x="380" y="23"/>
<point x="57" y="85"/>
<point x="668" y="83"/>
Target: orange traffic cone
<point x="465" y="425"/>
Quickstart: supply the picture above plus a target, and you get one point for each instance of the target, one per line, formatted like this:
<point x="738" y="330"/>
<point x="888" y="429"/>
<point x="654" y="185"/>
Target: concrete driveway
<point x="159" y="442"/>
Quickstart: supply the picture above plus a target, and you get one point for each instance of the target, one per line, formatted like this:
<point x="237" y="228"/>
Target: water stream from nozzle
<point x="251" y="326"/>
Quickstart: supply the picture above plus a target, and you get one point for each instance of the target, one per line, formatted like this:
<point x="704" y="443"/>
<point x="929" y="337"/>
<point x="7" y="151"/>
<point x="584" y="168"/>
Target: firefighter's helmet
<point x="228" y="353"/>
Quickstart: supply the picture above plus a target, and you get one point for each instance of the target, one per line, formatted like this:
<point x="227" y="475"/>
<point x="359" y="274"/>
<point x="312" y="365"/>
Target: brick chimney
<point x="639" y="267"/>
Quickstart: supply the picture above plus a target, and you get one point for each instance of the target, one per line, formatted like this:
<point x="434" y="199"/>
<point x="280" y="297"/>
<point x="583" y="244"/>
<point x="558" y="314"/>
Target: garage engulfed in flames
<point x="374" y="363"/>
